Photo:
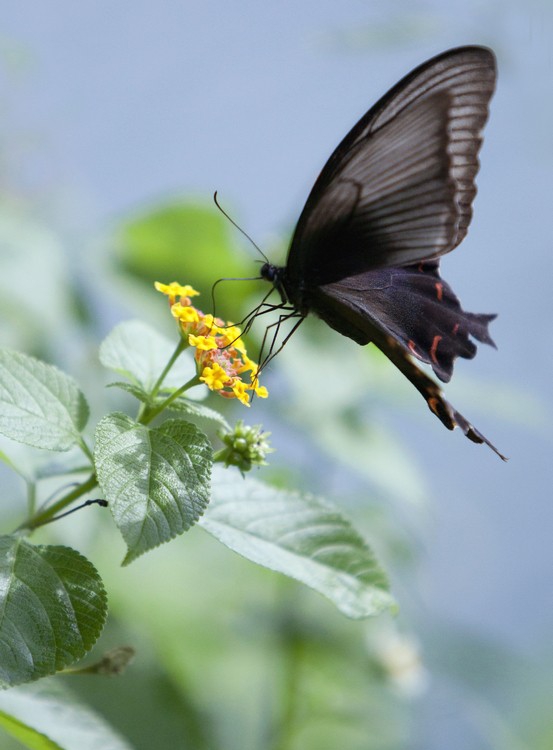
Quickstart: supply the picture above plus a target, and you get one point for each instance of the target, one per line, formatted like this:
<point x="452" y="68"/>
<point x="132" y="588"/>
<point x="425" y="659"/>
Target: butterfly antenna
<point x="242" y="231"/>
<point x="229" y="278"/>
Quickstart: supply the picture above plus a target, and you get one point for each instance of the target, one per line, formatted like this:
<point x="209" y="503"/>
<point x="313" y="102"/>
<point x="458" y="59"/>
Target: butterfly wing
<point x="414" y="305"/>
<point x="409" y="311"/>
<point x="399" y="187"/>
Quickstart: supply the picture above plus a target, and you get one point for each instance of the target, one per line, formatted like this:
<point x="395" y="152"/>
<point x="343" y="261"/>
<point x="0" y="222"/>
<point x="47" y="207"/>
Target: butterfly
<point x="394" y="197"/>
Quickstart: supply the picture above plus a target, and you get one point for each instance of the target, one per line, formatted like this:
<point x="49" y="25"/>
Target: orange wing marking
<point x="436" y="340"/>
<point x="433" y="404"/>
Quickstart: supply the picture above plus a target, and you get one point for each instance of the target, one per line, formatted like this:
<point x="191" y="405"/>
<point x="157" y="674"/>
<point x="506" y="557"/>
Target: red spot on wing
<point x="433" y="404"/>
<point x="455" y="328"/>
<point x="439" y="290"/>
<point x="435" y="341"/>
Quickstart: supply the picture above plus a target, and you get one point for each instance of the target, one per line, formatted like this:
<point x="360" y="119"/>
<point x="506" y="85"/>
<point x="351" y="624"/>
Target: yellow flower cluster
<point x="220" y="355"/>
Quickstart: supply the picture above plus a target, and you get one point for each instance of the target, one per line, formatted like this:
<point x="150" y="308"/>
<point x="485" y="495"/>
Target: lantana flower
<point x="220" y="354"/>
<point x="245" y="446"/>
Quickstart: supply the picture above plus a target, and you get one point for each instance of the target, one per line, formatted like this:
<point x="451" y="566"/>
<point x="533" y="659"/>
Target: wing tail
<point x="432" y="393"/>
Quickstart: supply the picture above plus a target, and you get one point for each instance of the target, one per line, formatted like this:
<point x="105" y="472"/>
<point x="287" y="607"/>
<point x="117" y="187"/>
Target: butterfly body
<point x="394" y="197"/>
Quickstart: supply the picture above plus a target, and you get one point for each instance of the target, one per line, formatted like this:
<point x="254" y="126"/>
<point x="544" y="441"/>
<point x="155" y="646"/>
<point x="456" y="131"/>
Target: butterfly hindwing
<point x="366" y="308"/>
<point x="415" y="306"/>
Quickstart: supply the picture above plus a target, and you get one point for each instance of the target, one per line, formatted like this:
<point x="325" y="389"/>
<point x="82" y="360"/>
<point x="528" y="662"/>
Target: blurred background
<point x="119" y="121"/>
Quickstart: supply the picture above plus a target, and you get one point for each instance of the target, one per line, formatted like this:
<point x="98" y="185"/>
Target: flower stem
<point x="150" y="413"/>
<point x="181" y="346"/>
<point x="86" y="450"/>
<point x="44" y="516"/>
<point x="31" y="498"/>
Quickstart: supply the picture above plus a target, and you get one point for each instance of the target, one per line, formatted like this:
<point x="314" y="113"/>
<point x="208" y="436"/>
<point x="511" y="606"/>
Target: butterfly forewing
<point x="399" y="187"/>
<point x="391" y="204"/>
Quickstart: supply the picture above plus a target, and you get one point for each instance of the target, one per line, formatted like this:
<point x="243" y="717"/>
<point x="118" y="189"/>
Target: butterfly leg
<point x="272" y="353"/>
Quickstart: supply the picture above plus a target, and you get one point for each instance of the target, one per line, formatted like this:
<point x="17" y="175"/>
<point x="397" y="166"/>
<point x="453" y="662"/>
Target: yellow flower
<point x="240" y="390"/>
<point x="248" y="364"/>
<point x="231" y="336"/>
<point x="214" y="377"/>
<point x="220" y="353"/>
<point x="185" y="313"/>
<point x="175" y="290"/>
<point x="261" y="391"/>
<point x="212" y="326"/>
<point x="203" y="343"/>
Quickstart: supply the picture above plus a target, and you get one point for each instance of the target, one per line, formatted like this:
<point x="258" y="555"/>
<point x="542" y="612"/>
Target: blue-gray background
<point x="108" y="106"/>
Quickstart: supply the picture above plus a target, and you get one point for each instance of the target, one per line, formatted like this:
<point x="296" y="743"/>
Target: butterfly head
<point x="271" y="273"/>
<point x="275" y="276"/>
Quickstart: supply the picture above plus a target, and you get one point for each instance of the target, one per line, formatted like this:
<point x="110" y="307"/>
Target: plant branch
<point x="44" y="516"/>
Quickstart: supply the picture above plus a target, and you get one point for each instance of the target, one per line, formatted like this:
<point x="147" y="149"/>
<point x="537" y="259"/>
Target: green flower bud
<point x="244" y="447"/>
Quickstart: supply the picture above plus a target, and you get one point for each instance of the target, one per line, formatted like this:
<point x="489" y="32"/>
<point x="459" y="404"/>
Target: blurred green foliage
<point x="230" y="655"/>
<point x="186" y="241"/>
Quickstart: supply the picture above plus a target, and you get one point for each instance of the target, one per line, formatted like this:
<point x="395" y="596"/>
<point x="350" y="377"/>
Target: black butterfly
<point x="394" y="196"/>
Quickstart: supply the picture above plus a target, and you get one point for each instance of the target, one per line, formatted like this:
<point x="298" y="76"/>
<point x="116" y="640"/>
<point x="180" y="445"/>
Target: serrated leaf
<point x="181" y="405"/>
<point x="138" y="352"/>
<point x="40" y="405"/>
<point x="52" y="609"/>
<point x="135" y="390"/>
<point x="192" y="408"/>
<point x="53" y="718"/>
<point x="303" y="538"/>
<point x="156" y="480"/>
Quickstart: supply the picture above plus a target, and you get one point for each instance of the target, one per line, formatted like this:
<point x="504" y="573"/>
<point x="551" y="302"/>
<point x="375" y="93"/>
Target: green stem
<point x="144" y="412"/>
<point x="86" y="450"/>
<point x="149" y="414"/>
<point x="43" y="516"/>
<point x="181" y="346"/>
<point x="31" y="498"/>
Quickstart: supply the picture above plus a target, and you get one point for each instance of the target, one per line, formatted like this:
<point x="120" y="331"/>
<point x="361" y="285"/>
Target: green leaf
<point x="39" y="405"/>
<point x="139" y="353"/>
<point x="135" y="390"/>
<point x="181" y="405"/>
<point x="194" y="409"/>
<point x="26" y="735"/>
<point x="52" y="605"/>
<point x="156" y="480"/>
<point x="45" y="716"/>
<point x="299" y="536"/>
